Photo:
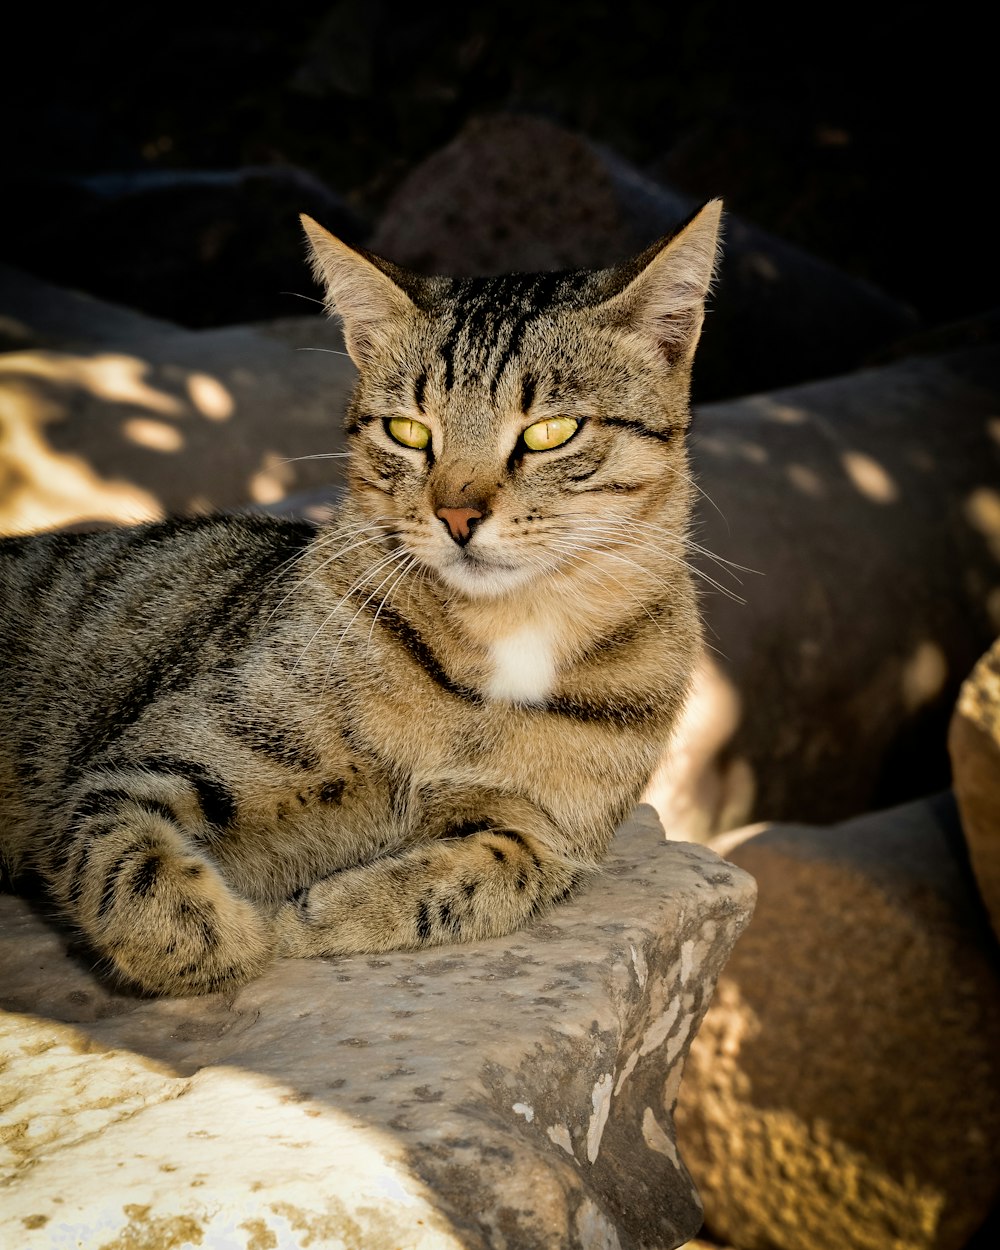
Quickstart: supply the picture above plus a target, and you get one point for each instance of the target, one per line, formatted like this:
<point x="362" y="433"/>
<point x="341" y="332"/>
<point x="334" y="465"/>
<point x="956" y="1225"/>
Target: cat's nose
<point x="459" y="522"/>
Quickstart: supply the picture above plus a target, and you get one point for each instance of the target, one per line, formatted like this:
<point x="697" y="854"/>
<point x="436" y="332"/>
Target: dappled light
<point x="697" y="791"/>
<point x="116" y="378"/>
<point x="778" y="1134"/>
<point x="982" y="510"/>
<point x="143" y="1087"/>
<point x="272" y="480"/>
<point x="870" y="478"/>
<point x="773" y="410"/>
<point x="210" y="397"/>
<point x="806" y="480"/>
<point x="41" y="487"/>
<point x="156" y="435"/>
<point x="363" y="719"/>
<point x="924" y="675"/>
<point x="753" y="452"/>
<point x="116" y="437"/>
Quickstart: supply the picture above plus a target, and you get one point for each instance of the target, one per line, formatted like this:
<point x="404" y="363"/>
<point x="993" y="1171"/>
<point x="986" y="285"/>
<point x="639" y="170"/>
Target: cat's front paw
<point x="168" y="924"/>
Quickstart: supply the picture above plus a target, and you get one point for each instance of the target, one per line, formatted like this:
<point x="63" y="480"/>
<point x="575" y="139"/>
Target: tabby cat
<point x="229" y="738"/>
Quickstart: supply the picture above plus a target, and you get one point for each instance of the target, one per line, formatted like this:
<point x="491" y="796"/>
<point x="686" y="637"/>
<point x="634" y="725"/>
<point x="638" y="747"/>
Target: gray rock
<point x="515" y="1093"/>
<point x="869" y="509"/>
<point x="843" y="1092"/>
<point x="202" y="247"/>
<point x="106" y="415"/>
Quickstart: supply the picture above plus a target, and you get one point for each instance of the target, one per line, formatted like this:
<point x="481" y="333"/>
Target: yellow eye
<point x="544" y="435"/>
<point x="409" y="433"/>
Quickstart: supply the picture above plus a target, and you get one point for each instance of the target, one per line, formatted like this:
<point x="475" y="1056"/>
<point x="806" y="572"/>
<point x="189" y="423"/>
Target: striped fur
<point x="228" y="738"/>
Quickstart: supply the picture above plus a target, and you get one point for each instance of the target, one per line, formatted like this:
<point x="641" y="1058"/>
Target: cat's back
<point x="133" y="587"/>
<point x="90" y="621"/>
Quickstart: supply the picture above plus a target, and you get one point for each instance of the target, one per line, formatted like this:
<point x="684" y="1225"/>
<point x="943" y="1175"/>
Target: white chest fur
<point x="524" y="666"/>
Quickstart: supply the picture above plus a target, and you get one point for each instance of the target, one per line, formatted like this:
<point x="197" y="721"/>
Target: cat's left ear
<point x="665" y="299"/>
<point x="362" y="294"/>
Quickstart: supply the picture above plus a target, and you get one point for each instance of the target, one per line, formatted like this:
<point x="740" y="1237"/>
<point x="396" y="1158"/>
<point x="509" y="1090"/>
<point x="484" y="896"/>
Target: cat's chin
<point x="480" y="580"/>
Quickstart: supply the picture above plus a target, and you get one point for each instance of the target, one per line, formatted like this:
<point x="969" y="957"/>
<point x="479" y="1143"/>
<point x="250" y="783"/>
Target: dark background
<point x="862" y="133"/>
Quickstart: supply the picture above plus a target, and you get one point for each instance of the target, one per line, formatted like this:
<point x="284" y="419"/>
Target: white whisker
<point x="310" y="298"/>
<point x="330" y="351"/>
<point x="319" y="455"/>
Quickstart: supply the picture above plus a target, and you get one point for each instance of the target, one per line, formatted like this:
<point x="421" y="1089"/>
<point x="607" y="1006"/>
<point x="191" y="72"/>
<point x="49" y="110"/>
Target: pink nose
<point x="459" y="521"/>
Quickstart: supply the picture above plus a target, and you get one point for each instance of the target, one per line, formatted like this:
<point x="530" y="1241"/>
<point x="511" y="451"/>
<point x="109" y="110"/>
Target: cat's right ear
<point x="664" y="299"/>
<point x="367" y="301"/>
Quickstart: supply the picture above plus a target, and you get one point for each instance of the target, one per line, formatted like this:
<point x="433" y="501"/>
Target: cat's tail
<point x="133" y="880"/>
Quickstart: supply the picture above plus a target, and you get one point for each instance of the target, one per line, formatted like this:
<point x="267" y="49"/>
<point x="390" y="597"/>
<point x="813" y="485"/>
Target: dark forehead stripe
<point x="527" y="391"/>
<point x="488" y="318"/>
<point x="419" y="387"/>
<point x="538" y="299"/>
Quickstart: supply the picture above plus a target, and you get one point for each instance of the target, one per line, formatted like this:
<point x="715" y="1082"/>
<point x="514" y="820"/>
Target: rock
<point x="517" y="192"/>
<point x="843" y="1092"/>
<point x="205" y="247"/>
<point x="974" y="746"/>
<point x="868" y="511"/>
<point x="108" y="416"/>
<point x="515" y="1092"/>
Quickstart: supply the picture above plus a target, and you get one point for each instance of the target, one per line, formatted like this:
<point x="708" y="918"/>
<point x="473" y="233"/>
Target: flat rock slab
<point x="510" y="1094"/>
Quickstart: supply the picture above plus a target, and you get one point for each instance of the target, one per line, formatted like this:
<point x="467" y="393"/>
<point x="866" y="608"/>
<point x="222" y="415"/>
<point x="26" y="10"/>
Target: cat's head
<point x="505" y="429"/>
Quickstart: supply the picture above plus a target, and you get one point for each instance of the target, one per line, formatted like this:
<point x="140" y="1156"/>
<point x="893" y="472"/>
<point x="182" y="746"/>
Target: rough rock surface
<point x="513" y="191"/>
<point x="843" y="1092"/>
<point x="974" y="745"/>
<point x="514" y="1093"/>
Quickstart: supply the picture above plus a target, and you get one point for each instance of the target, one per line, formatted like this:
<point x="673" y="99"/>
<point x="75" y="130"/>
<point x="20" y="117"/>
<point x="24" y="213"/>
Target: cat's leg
<point x="128" y="866"/>
<point x="482" y="878"/>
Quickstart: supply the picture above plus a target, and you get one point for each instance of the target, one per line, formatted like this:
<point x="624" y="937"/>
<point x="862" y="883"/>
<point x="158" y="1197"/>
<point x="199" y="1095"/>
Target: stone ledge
<point x="513" y="1093"/>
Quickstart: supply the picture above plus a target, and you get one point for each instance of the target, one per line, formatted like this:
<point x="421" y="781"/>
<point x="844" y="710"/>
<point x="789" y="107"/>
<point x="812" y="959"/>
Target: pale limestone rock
<point x="974" y="746"/>
<point x="515" y="1093"/>
<point x="843" y="1092"/>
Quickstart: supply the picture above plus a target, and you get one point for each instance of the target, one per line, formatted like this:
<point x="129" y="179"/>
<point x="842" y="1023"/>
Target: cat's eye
<point x="409" y="433"/>
<point x="552" y="432"/>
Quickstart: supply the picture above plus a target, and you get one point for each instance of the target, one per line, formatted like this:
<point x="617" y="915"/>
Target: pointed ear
<point x="366" y="299"/>
<point x="666" y="286"/>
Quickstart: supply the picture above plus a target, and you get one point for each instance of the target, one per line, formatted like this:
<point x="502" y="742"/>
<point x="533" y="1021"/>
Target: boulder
<point x="109" y="416"/>
<point x="862" y="517"/>
<point x="974" y="746"/>
<point x="517" y="192"/>
<point x="201" y="247"/>
<point x="515" y="1092"/>
<point x="843" y="1092"/>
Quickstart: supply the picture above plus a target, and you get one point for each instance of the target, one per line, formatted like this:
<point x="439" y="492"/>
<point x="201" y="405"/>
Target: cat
<point x="229" y="738"/>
